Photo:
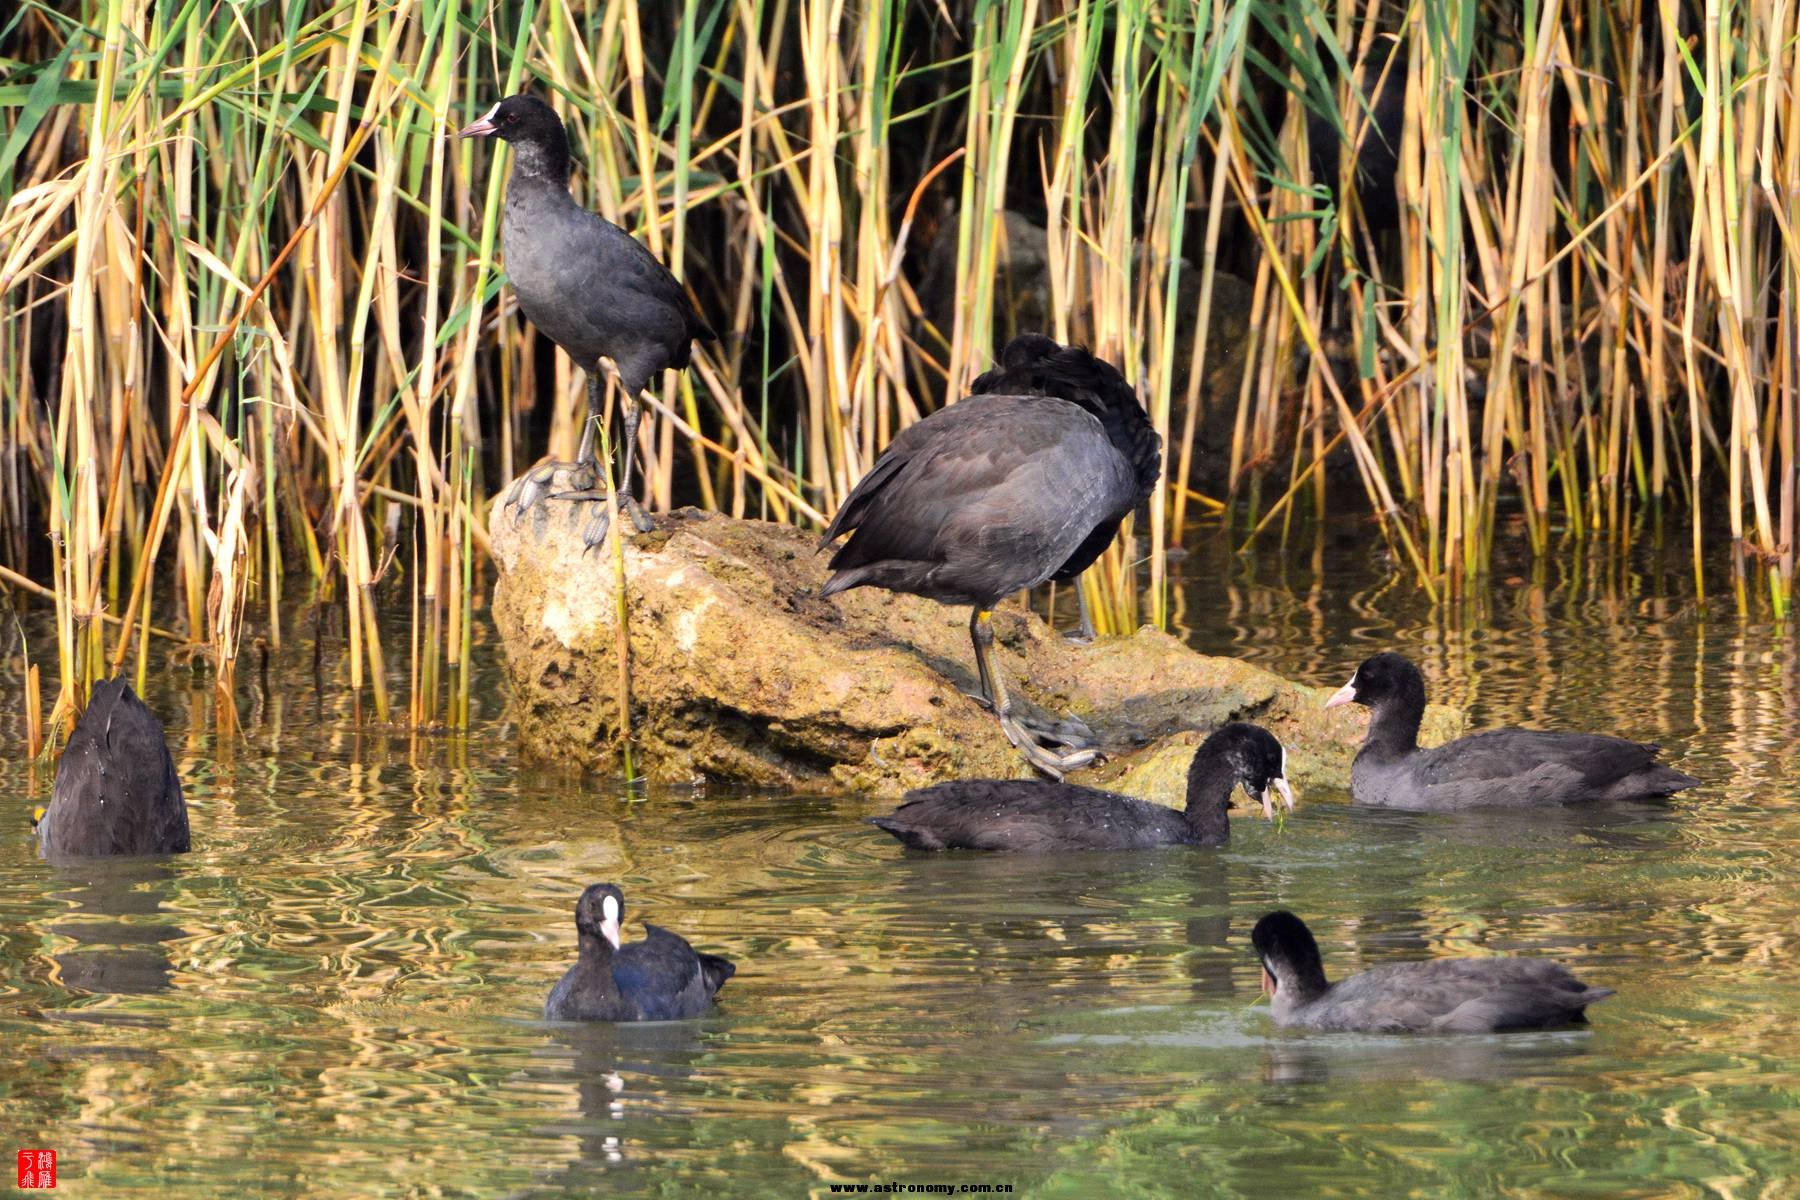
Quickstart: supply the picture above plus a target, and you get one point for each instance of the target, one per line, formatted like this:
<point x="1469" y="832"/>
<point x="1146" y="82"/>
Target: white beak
<point x="1344" y="695"/>
<point x="1277" y="784"/>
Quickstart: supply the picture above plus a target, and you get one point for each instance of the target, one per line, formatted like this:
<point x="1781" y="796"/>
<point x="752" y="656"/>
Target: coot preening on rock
<point x="1452" y="995"/>
<point x="591" y="288"/>
<point x="1027" y="479"/>
<point x="658" y="979"/>
<point x="1029" y="816"/>
<point x="116" y="790"/>
<point x="1517" y="767"/>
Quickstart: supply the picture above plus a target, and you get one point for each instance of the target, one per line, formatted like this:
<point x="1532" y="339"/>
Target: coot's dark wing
<point x="647" y="277"/>
<point x="1521" y="1005"/>
<point x="1033" y="365"/>
<point x="116" y="789"/>
<point x="1466" y="995"/>
<point x="979" y="500"/>
<point x="662" y="977"/>
<point x="1527" y="766"/>
<point x="592" y="288"/>
<point x="1028" y="817"/>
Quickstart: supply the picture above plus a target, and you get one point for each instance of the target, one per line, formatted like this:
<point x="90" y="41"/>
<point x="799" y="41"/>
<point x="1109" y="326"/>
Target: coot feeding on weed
<point x="658" y="979"/>
<point x="116" y="790"/>
<point x="1454" y="995"/>
<point x="1517" y="767"/>
<point x="591" y="288"/>
<point x="1028" y="816"/>
<point x="1027" y="479"/>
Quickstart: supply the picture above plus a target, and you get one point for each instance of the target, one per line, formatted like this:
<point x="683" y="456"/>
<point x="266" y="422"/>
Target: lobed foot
<point x="640" y="520"/>
<point x="535" y="486"/>
<point x="1071" y="731"/>
<point x="593" y="533"/>
<point x="1039" y="754"/>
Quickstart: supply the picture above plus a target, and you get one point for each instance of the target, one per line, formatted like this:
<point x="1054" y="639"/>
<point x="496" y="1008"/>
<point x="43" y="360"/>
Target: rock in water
<point x="740" y="674"/>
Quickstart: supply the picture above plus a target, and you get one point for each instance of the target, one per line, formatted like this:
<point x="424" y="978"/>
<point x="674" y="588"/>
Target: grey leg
<point x="1029" y="742"/>
<point x="582" y="474"/>
<point x="1086" y="635"/>
<point x="580" y="479"/>
<point x="628" y="408"/>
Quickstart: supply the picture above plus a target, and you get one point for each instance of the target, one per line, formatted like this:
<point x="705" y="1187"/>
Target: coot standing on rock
<point x="1516" y="767"/>
<point x="660" y="978"/>
<point x="1025" y="480"/>
<point x="591" y="288"/>
<point x="1454" y="995"/>
<point x="1028" y="816"/>
<point x="116" y="790"/>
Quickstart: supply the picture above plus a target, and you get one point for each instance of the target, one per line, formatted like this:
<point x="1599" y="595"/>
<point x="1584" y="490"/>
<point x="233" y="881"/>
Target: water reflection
<point x="619" y="1076"/>
<point x="110" y="906"/>
<point x="1343" y="1060"/>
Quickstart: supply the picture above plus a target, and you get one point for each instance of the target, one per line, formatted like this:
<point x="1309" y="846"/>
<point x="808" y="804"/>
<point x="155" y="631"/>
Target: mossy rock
<point x="742" y="675"/>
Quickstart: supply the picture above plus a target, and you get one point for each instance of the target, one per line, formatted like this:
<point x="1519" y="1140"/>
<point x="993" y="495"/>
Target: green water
<point x="336" y="994"/>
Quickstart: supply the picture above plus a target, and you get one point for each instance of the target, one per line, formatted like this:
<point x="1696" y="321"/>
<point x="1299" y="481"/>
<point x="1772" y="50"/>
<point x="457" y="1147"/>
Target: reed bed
<point x="255" y="347"/>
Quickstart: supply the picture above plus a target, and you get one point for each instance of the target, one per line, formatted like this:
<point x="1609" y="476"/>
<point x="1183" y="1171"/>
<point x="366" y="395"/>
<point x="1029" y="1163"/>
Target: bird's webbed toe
<point x="541" y="482"/>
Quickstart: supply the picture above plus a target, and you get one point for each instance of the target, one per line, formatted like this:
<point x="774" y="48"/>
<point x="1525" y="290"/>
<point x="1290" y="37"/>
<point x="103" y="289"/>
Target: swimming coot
<point x="591" y="288"/>
<point x="1518" y="767"/>
<point x="116" y="790"/>
<point x="658" y="979"/>
<point x="1026" y="479"/>
<point x="1029" y="816"/>
<point x="1453" y="995"/>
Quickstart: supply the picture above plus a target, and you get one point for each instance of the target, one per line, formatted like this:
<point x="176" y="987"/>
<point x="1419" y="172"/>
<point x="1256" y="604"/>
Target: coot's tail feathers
<point x="855" y="506"/>
<point x="717" y="970"/>
<point x="914" y="838"/>
<point x="898" y="575"/>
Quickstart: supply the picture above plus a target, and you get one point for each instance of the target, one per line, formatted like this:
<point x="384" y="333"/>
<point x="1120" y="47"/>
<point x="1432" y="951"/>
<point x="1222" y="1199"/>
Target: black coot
<point x="1452" y="995"/>
<point x="591" y="288"/>
<point x="660" y="978"/>
<point x="1517" y="767"/>
<point x="1025" y="480"/>
<point x="116" y="790"/>
<point x="1029" y="816"/>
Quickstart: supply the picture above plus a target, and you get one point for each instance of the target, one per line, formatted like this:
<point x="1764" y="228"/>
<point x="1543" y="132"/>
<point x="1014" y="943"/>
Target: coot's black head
<point x="519" y="118"/>
<point x="1027" y="350"/>
<point x="599" y="912"/>
<point x="1290" y="956"/>
<point x="1384" y="680"/>
<point x="1255" y="759"/>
